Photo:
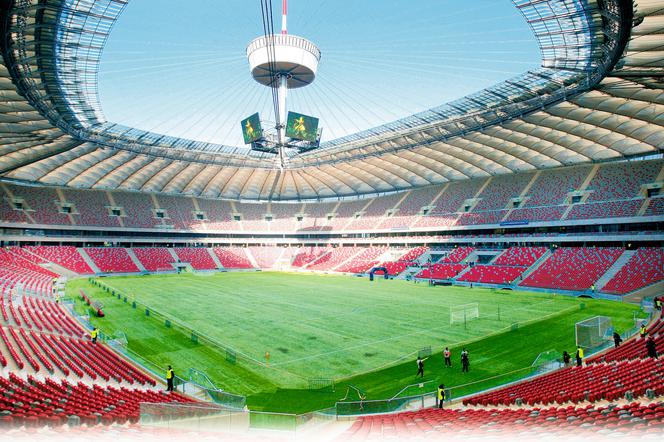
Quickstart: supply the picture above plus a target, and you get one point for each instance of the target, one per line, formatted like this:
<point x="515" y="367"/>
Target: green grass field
<point x="348" y="329"/>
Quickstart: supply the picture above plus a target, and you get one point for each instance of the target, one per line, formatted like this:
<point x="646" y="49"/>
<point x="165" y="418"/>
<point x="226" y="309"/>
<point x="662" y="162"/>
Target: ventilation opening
<point x="300" y="218"/>
<point x="237" y="218"/>
<point x="160" y="214"/>
<point x="65" y="209"/>
<point x="426" y="211"/>
<point x="116" y="212"/>
<point x="576" y="199"/>
<point x="466" y="208"/>
<point x="516" y="204"/>
<point x="654" y="192"/>
<point x="200" y="216"/>
<point x="268" y="218"/>
<point x="18" y="205"/>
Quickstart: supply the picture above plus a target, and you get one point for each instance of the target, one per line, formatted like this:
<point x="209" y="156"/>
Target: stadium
<point x="428" y="221"/>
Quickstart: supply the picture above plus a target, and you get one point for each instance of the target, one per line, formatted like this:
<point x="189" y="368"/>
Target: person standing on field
<point x="465" y="361"/>
<point x="420" y="366"/>
<point x="447" y="354"/>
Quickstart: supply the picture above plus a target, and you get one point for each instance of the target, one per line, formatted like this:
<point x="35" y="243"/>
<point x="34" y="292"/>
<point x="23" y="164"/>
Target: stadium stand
<point x="64" y="256"/>
<point x="552" y="187"/>
<point x="441" y="271"/>
<point x="644" y="268"/>
<point x="622" y="180"/>
<point x="307" y="255"/>
<point x="284" y="217"/>
<point x="409" y="258"/>
<point x="44" y="205"/>
<point x="448" y="204"/>
<point x="266" y="257"/>
<point x="634" y="348"/>
<point x="591" y="383"/>
<point x="537" y="214"/>
<point x="520" y="256"/>
<point x="375" y="212"/>
<point x="629" y="420"/>
<point x="137" y="208"/>
<point x="411" y="207"/>
<point x="497" y="194"/>
<point x="573" y="268"/>
<point x="253" y="217"/>
<point x="346" y="213"/>
<point x="607" y="209"/>
<point x="8" y="211"/>
<point x="91" y="208"/>
<point x="547" y="200"/>
<point x="233" y="257"/>
<point x="111" y="259"/>
<point x="154" y="259"/>
<point x="488" y="274"/>
<point x="198" y="257"/>
<point x="315" y="217"/>
<point x="219" y="215"/>
<point x="336" y="257"/>
<point x="457" y="255"/>
<point x="180" y="211"/>
<point x="655" y="207"/>
<point x="364" y="261"/>
<point x="34" y="403"/>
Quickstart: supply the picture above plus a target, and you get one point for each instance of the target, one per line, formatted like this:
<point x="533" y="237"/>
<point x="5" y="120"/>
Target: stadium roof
<point x="597" y="96"/>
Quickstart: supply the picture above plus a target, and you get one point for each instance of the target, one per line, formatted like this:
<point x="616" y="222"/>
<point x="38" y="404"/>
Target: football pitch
<point x="334" y="327"/>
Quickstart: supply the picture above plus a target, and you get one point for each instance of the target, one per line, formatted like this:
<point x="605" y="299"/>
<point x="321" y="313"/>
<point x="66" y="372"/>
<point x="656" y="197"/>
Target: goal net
<point x="593" y="331"/>
<point x="464" y="313"/>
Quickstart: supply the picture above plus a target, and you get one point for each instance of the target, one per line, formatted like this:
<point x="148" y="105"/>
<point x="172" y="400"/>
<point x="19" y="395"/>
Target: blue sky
<point x="182" y="71"/>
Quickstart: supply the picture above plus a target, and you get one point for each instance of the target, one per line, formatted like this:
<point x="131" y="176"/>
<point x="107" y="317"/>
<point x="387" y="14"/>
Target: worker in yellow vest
<point x="579" y="356"/>
<point x="93" y="335"/>
<point x="441" y="395"/>
<point x="170" y="375"/>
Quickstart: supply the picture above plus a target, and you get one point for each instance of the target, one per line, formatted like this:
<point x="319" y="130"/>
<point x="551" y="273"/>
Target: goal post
<point x="594" y="331"/>
<point x="461" y="314"/>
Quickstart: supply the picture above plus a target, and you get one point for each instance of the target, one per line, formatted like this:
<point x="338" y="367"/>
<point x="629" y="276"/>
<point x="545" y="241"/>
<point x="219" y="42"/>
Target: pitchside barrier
<point x="215" y="418"/>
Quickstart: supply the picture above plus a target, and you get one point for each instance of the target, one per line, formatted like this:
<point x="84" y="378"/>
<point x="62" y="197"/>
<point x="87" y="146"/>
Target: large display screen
<point x="301" y="127"/>
<point x="251" y="129"/>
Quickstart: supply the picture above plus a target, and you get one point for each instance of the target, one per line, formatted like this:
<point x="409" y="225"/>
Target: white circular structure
<point x="286" y="56"/>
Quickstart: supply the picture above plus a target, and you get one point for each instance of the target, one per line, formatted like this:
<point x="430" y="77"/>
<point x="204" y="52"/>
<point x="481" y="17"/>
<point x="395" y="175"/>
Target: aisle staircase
<point x="88" y="260"/>
<point x="614" y="269"/>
